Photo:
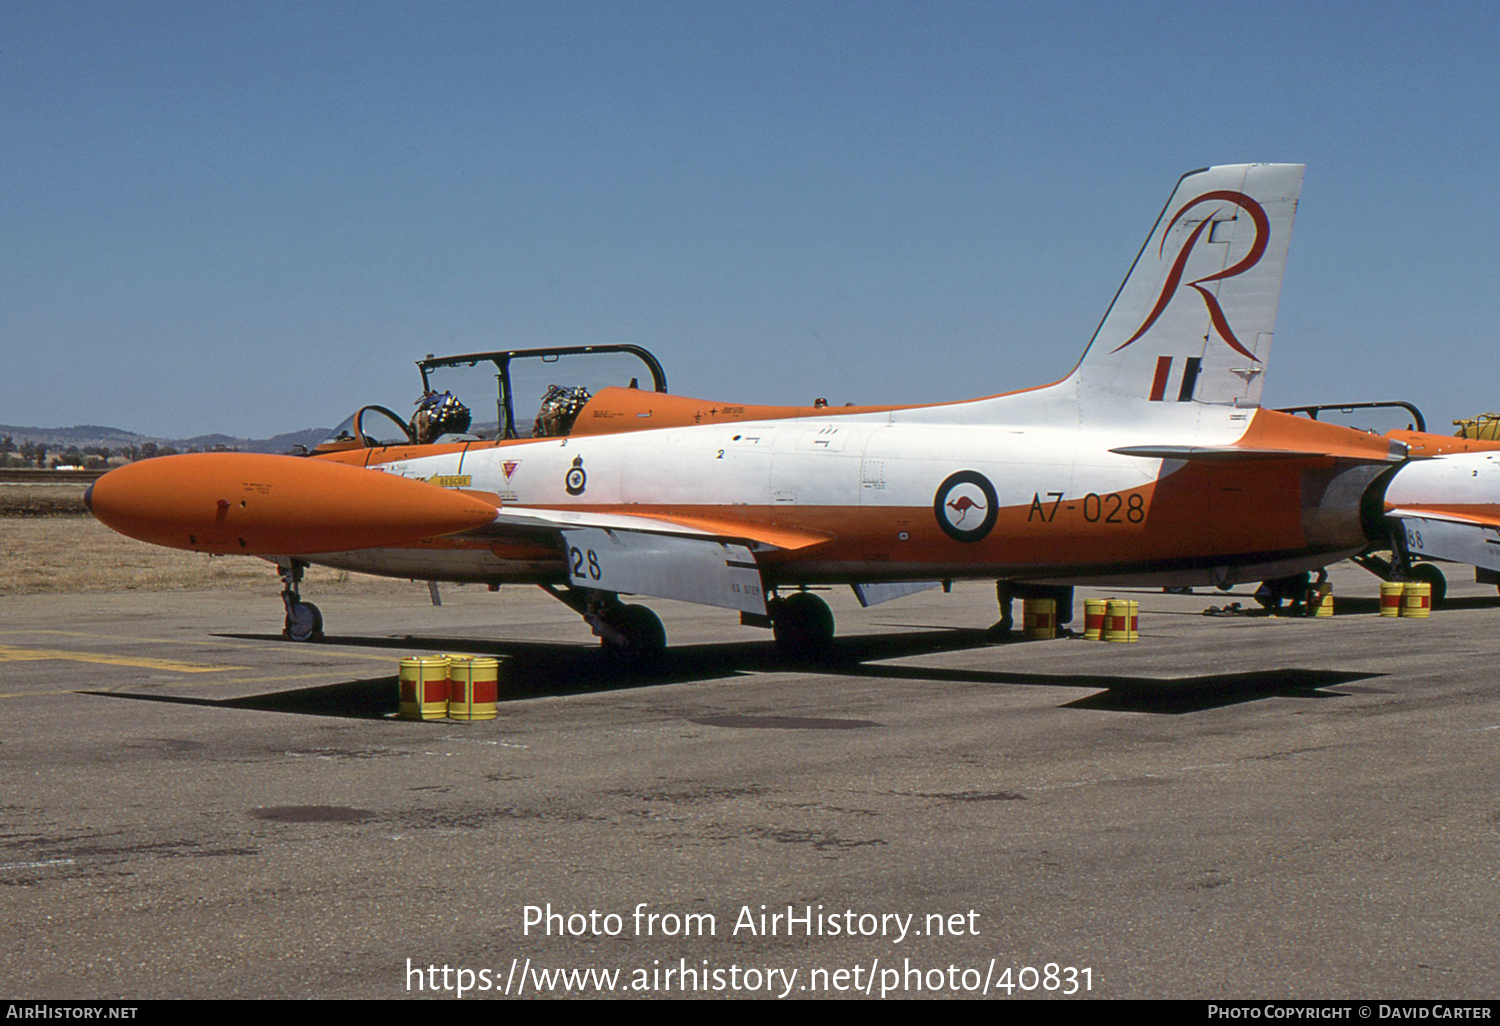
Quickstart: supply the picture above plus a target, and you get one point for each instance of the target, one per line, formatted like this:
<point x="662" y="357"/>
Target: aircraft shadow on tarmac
<point x="1351" y="605"/>
<point x="535" y="670"/>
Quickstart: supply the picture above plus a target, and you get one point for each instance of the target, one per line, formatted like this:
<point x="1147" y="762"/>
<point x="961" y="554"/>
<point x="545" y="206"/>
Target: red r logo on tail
<point x="1174" y="279"/>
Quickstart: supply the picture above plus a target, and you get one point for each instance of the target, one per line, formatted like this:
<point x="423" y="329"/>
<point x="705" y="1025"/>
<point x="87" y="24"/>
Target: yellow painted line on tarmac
<point x="221" y="681"/>
<point x="10" y="654"/>
<point x="217" y="681"/>
<point x="135" y="638"/>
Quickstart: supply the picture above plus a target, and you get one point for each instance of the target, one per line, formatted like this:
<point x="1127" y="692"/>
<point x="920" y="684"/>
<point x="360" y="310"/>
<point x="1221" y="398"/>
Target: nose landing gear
<point x="304" y="621"/>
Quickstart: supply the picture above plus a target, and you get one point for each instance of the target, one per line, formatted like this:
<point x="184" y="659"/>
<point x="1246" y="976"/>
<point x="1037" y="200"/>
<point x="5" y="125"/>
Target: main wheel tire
<point x="303" y="623"/>
<point x="1428" y="573"/>
<point x="645" y="638"/>
<point x="803" y="626"/>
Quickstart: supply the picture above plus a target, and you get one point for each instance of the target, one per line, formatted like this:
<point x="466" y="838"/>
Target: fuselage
<point x="994" y="488"/>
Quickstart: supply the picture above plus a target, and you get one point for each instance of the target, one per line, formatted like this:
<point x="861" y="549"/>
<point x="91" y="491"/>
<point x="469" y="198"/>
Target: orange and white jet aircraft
<point x="1151" y="463"/>
<point x="1442" y="506"/>
<point x="1445" y="505"/>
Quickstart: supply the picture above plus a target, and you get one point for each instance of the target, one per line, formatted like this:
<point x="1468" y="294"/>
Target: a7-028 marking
<point x="1109" y="508"/>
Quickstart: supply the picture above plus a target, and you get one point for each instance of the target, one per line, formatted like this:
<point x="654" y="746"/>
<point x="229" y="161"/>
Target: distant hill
<point x="85" y="435"/>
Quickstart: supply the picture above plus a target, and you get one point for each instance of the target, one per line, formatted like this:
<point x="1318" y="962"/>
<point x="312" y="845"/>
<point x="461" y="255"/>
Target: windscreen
<point x="343" y="433"/>
<point x="369" y="425"/>
<point x="379" y="427"/>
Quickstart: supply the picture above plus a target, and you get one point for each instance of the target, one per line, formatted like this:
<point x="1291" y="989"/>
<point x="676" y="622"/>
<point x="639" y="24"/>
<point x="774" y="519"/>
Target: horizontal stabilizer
<point x="1240" y="453"/>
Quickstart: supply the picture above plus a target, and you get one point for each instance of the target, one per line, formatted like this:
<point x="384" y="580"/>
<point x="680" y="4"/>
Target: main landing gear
<point x="1402" y="568"/>
<point x="1428" y="573"/>
<point x="802" y="624"/>
<point x="304" y="622"/>
<point x="631" y="637"/>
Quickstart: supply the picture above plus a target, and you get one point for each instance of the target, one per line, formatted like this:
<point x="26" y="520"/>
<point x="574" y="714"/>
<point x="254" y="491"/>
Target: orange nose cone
<point x="260" y="505"/>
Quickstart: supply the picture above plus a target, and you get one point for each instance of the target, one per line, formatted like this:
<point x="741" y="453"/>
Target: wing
<point x="1472" y="538"/>
<point x="705" y="560"/>
<point x="510" y="518"/>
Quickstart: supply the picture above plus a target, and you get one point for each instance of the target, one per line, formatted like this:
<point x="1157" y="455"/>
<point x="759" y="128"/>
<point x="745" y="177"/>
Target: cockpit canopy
<point x="549" y="393"/>
<point x="512" y="393"/>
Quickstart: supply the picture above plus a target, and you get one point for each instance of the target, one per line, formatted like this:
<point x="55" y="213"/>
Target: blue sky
<point x="252" y="218"/>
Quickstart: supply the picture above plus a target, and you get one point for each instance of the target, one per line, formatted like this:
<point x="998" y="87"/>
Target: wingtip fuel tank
<point x="256" y="504"/>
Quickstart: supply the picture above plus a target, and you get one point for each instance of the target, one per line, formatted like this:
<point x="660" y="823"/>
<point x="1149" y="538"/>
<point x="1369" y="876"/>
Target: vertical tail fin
<point x="1194" y="318"/>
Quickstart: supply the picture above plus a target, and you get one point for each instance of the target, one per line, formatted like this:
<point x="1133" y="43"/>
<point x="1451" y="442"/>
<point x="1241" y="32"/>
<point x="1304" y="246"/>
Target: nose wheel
<point x="304" y="621"/>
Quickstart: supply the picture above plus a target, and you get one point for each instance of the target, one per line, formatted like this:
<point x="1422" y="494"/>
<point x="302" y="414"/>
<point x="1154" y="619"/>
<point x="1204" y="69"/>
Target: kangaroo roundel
<point x="966" y="506"/>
